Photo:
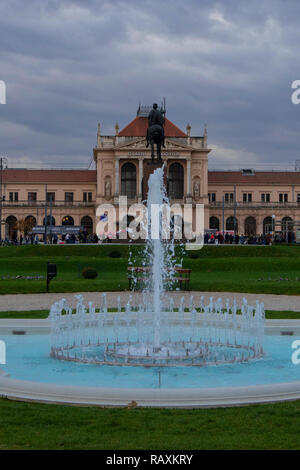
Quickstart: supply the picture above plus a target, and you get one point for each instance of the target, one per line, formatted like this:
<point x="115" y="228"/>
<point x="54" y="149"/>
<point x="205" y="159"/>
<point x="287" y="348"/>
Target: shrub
<point x="194" y="254"/>
<point x="89" y="273"/>
<point x="115" y="254"/>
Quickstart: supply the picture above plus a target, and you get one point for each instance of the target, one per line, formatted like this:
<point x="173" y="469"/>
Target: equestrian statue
<point x="155" y="131"/>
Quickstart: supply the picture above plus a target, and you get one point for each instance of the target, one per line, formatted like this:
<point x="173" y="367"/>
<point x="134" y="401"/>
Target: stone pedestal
<point x="149" y="168"/>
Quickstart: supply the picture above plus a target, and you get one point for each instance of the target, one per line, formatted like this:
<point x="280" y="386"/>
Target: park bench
<point x="138" y="276"/>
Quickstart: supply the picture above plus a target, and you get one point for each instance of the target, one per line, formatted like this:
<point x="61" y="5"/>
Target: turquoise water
<point x="28" y="359"/>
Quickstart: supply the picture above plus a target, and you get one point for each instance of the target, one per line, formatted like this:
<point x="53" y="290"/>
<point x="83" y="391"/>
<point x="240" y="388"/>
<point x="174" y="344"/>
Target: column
<point x="141" y="162"/>
<point x="188" y="178"/>
<point x="117" y="165"/>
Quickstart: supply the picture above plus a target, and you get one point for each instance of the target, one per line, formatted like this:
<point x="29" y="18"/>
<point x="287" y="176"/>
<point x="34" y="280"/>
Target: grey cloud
<point x="70" y="64"/>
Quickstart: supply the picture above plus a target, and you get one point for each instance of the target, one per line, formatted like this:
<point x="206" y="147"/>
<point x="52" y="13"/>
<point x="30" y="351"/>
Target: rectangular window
<point x="283" y="197"/>
<point x="50" y="197"/>
<point x="298" y="197"/>
<point x="31" y="197"/>
<point x="247" y="197"/>
<point x="13" y="196"/>
<point x="229" y="197"/>
<point x="265" y="197"/>
<point x="87" y="197"/>
<point x="69" y="197"/>
<point x="212" y="197"/>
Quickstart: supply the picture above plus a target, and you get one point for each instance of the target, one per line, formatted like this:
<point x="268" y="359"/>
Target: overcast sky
<point x="69" y="64"/>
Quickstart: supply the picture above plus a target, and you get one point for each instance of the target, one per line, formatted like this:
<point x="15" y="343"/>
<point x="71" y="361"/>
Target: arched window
<point x="214" y="223"/>
<point x="87" y="223"/>
<point x="128" y="180"/>
<point x="267" y="225"/>
<point x="67" y="220"/>
<point x="48" y="220"/>
<point x="250" y="226"/>
<point x="176" y="181"/>
<point x="230" y="225"/>
<point x="11" y="227"/>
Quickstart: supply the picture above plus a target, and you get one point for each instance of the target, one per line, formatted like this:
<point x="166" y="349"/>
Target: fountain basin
<point x="32" y="375"/>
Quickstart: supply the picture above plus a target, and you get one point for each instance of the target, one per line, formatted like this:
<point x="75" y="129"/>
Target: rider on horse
<point x="155" y="132"/>
<point x="156" y="118"/>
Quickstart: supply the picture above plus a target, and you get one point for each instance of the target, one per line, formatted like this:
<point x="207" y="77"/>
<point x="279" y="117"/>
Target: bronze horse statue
<point x="155" y="132"/>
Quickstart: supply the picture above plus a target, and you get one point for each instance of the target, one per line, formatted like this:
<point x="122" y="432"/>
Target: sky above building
<point x="229" y="64"/>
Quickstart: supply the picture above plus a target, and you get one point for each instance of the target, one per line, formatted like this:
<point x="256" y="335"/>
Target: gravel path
<point x="44" y="301"/>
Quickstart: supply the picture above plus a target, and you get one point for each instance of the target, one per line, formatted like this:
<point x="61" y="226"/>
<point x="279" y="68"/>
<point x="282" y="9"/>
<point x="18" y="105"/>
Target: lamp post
<point x="3" y="160"/>
<point x="234" y="213"/>
<point x="46" y="217"/>
<point x="273" y="228"/>
<point x="223" y="218"/>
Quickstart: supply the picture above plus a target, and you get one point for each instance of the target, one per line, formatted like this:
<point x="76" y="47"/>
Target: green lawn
<point x="253" y="269"/>
<point x="244" y="269"/>
<point x="37" y="426"/>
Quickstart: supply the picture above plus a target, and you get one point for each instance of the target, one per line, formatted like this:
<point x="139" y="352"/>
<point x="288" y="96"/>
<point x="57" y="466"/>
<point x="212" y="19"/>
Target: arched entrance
<point x="231" y="223"/>
<point x="287" y="227"/>
<point x="30" y="222"/>
<point x="11" y="221"/>
<point x="87" y="223"/>
<point x="250" y="226"/>
<point x="267" y="225"/>
<point x="214" y="223"/>
<point x="48" y="220"/>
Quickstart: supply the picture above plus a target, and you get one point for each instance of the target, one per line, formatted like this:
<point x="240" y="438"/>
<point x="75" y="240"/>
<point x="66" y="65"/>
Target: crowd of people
<point x="54" y="239"/>
<point x="216" y="238"/>
<point x="235" y="239"/>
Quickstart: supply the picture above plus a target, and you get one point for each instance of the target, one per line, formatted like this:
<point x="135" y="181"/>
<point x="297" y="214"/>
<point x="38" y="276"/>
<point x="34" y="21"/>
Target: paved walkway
<point x="44" y="301"/>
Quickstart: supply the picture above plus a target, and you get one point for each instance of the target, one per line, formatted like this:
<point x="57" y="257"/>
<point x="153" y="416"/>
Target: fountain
<point x="151" y="349"/>
<point x="155" y="333"/>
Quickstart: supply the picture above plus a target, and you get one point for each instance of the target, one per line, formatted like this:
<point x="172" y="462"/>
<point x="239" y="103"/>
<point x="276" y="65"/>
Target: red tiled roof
<point x="49" y="176"/>
<point x="260" y="177"/>
<point x="138" y="128"/>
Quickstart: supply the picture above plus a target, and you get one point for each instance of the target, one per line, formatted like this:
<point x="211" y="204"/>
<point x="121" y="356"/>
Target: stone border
<point x="167" y="398"/>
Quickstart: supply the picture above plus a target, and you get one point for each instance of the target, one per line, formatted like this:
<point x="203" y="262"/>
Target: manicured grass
<point x="253" y="269"/>
<point x="31" y="314"/>
<point x="103" y="250"/>
<point x="36" y="426"/>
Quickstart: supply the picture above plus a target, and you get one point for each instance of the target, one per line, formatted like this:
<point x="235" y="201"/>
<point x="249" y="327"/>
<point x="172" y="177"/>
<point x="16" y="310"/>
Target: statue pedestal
<point x="149" y="168"/>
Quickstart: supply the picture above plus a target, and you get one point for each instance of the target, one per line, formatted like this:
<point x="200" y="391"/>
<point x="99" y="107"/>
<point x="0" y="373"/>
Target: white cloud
<point x="239" y="158"/>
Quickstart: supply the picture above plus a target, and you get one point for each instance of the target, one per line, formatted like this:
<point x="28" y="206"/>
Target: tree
<point x="24" y="226"/>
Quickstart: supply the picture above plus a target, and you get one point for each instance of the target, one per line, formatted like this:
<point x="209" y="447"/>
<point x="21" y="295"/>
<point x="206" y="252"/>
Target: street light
<point x="273" y="227"/>
<point x="3" y="161"/>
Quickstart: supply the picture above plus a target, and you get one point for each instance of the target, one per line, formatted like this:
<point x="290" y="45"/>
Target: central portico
<point x="122" y="163"/>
